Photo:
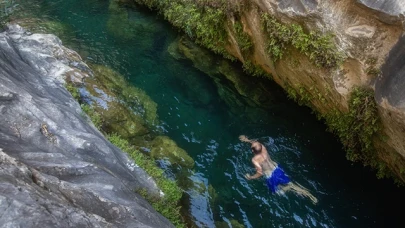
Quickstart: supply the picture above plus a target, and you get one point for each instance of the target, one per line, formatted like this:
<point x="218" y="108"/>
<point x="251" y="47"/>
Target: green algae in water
<point x="133" y="97"/>
<point x="164" y="147"/>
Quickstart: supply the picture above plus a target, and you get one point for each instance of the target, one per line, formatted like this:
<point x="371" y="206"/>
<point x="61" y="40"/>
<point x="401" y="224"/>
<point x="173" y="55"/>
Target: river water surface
<point x="193" y="114"/>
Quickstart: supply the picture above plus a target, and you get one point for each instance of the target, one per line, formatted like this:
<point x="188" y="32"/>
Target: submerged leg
<point x="299" y="190"/>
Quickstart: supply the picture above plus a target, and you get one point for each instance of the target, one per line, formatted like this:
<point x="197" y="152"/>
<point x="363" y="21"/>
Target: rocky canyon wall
<point x="342" y="58"/>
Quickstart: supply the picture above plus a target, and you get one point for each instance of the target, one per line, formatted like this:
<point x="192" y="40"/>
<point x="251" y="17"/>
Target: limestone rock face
<point x="57" y="170"/>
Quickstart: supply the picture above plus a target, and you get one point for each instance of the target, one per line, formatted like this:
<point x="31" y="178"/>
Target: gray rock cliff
<point x="56" y="169"/>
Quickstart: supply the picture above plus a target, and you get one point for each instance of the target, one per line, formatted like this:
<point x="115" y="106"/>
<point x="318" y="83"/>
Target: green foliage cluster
<point x="73" y="91"/>
<point x="254" y="70"/>
<point x="243" y="39"/>
<point x="357" y="128"/>
<point x="301" y="96"/>
<point x="304" y="97"/>
<point x="319" y="48"/>
<point x="373" y="71"/>
<point x="94" y="116"/>
<point x="166" y="205"/>
<point x="371" y="61"/>
<point x="203" y="24"/>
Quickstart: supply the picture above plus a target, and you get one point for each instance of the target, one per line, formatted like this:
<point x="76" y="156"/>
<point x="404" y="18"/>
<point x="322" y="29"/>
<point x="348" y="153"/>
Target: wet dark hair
<point x="256" y="150"/>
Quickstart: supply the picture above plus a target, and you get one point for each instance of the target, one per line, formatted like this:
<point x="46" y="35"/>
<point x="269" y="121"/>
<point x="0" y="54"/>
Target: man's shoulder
<point x="257" y="158"/>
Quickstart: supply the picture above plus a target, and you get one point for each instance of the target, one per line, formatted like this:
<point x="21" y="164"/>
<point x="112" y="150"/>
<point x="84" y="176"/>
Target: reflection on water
<point x="204" y="113"/>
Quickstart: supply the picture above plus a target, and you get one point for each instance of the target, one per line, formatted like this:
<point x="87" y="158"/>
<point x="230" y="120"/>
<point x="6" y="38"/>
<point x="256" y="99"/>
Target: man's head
<point x="256" y="147"/>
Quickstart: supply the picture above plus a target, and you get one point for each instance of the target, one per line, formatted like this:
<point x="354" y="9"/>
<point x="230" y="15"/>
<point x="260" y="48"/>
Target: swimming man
<point x="276" y="179"/>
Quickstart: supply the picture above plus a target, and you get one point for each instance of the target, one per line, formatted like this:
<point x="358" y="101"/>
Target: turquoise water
<point x="193" y="114"/>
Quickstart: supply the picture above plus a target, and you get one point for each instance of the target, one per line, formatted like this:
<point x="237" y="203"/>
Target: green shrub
<point x="373" y="71"/>
<point x="87" y="109"/>
<point x="73" y="91"/>
<point x="319" y="48"/>
<point x="254" y="70"/>
<point x="94" y="116"/>
<point x="243" y="39"/>
<point x="357" y="128"/>
<point x="202" y="22"/>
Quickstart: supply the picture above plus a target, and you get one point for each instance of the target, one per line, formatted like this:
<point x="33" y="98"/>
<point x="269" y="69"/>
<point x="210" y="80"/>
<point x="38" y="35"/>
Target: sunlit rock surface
<point x="57" y="170"/>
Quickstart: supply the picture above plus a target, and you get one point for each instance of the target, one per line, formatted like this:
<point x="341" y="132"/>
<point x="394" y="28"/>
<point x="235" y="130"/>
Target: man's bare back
<point x="265" y="166"/>
<point x="263" y="159"/>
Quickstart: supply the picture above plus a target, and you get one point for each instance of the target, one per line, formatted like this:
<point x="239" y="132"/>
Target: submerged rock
<point x="126" y="27"/>
<point x="229" y="81"/>
<point x="36" y="25"/>
<point x="213" y="195"/>
<point x="57" y="170"/>
<point x="131" y="113"/>
<point x="162" y="147"/>
<point x="231" y="224"/>
<point x="125" y="109"/>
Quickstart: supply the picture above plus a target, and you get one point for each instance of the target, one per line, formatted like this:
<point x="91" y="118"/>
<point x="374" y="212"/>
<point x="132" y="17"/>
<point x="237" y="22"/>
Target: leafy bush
<point x="94" y="116"/>
<point x="243" y="39"/>
<point x="357" y="128"/>
<point x="320" y="48"/>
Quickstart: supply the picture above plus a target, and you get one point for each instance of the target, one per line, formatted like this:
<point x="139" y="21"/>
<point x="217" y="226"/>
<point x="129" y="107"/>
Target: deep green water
<point x="192" y="114"/>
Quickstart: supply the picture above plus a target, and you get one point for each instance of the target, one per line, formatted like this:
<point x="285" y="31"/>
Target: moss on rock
<point x="162" y="147"/>
<point x="319" y="48"/>
<point x="201" y="21"/>
<point x="219" y="68"/>
<point x="136" y="99"/>
<point x="118" y="121"/>
<point x="168" y="205"/>
<point x="244" y="41"/>
<point x="123" y="109"/>
<point x="129" y="112"/>
<point x="358" y="129"/>
<point x="43" y="26"/>
<point x="213" y="195"/>
<point x="122" y="26"/>
<point x="233" y="224"/>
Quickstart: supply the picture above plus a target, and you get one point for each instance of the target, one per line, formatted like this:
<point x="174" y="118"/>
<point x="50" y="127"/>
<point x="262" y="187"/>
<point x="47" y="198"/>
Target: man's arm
<point x="243" y="138"/>
<point x="258" y="173"/>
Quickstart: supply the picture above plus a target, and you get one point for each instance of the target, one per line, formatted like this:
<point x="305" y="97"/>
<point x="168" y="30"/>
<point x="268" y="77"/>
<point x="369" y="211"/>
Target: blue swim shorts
<point x="276" y="178"/>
